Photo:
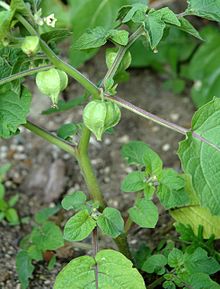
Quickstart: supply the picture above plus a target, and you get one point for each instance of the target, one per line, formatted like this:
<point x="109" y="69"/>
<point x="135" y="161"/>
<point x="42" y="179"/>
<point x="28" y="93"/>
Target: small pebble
<point x="166" y="147"/>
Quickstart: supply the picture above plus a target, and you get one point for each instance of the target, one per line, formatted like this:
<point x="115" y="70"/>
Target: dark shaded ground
<point x="42" y="174"/>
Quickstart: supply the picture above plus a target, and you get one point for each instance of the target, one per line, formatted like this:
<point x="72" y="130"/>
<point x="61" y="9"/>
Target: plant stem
<point x="24" y="73"/>
<point x="59" y="63"/>
<point x="95" y="251"/>
<point x="67" y="147"/>
<point x="87" y="169"/>
<point x="4" y="5"/>
<point x="156" y="283"/>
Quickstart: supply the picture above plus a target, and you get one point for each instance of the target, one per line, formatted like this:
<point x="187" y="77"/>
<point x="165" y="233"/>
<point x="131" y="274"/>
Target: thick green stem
<point x="87" y="169"/>
<point x="67" y="147"/>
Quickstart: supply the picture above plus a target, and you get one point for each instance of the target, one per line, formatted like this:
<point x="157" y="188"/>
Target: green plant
<point x="196" y="190"/>
<point x="6" y="206"/>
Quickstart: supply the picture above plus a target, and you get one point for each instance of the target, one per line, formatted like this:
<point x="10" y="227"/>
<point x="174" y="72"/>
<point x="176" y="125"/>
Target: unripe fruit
<point x="30" y="45"/>
<point x="99" y="115"/>
<point x="51" y="83"/>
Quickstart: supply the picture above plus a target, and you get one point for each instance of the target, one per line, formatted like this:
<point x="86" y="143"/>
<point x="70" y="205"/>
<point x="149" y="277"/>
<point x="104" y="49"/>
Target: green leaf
<point x="199" y="262"/>
<point x="114" y="269"/>
<point x="119" y="36"/>
<point x="87" y="15"/>
<point x="20" y="6"/>
<point x="47" y="237"/>
<point x="202" y="281"/>
<point x="111" y="222"/>
<point x="2" y="191"/>
<point x="92" y="38"/>
<point x="187" y="27"/>
<point x="52" y="263"/>
<point x="79" y="226"/>
<point x="74" y="201"/>
<point x="3" y="205"/>
<point x="35" y="253"/>
<point x="175" y="258"/>
<point x="155" y="264"/>
<point x="55" y="35"/>
<point x="67" y="130"/>
<point x="201" y="158"/>
<point x="131" y="10"/>
<point x="203" y="8"/>
<point x="134" y="182"/>
<point x="171" y="191"/>
<point x="12" y="216"/>
<point x="13" y="111"/>
<point x="139" y="153"/>
<point x="13" y="200"/>
<point x="5" y="21"/>
<point x="44" y="214"/>
<point x="24" y="268"/>
<point x="195" y="216"/>
<point x="168" y="16"/>
<point x="3" y="170"/>
<point x="144" y="213"/>
<point x="169" y="285"/>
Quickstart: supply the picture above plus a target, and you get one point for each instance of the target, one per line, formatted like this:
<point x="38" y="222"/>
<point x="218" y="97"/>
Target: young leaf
<point x="134" y="182"/>
<point x="111" y="222"/>
<point x="35" y="253"/>
<point x="2" y="191"/>
<point x="175" y="258"/>
<point x="199" y="262"/>
<point x="12" y="216"/>
<point x="168" y="16"/>
<point x="13" y="110"/>
<point x="119" y="36"/>
<point x="144" y="213"/>
<point x="202" y="281"/>
<point x="79" y="226"/>
<point x="44" y="214"/>
<point x="13" y="200"/>
<point x="131" y="10"/>
<point x="47" y="237"/>
<point x="67" y="130"/>
<point x="139" y="153"/>
<point x="24" y="268"/>
<point x="171" y="191"/>
<point x="92" y="38"/>
<point x="203" y="8"/>
<point x="74" y="201"/>
<point x="201" y="158"/>
<point x="155" y="264"/>
<point x="187" y="27"/>
<point x="115" y="271"/>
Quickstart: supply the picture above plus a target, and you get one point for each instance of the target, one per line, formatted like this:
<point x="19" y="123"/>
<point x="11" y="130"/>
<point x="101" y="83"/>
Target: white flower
<point x="50" y="20"/>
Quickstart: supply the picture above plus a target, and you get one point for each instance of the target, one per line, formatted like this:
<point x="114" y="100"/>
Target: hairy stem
<point x="24" y="73"/>
<point x="67" y="147"/>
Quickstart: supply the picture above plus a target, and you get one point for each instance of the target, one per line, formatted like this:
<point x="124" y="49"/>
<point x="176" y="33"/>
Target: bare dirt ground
<point x="42" y="174"/>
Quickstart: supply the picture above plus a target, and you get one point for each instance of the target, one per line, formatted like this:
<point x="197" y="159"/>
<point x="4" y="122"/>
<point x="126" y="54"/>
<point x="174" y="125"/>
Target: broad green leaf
<point x="74" y="201"/>
<point x="13" y="111"/>
<point x="202" y="281"/>
<point x="209" y="9"/>
<point x="5" y="21"/>
<point x="24" y="268"/>
<point x="20" y="6"/>
<point x="171" y="191"/>
<point x="144" y="213"/>
<point x="139" y="153"/>
<point x="119" y="36"/>
<point x="79" y="226"/>
<point x="92" y="38"/>
<point x="35" y="253"/>
<point x="47" y="237"/>
<point x="115" y="271"/>
<point x="168" y="16"/>
<point x="12" y="216"/>
<point x="175" y="258"/>
<point x="187" y="27"/>
<point x="134" y="182"/>
<point x="44" y="214"/>
<point x="155" y="264"/>
<point x="199" y="262"/>
<point x="195" y="216"/>
<point x="111" y="222"/>
<point x="67" y="130"/>
<point x="201" y="158"/>
<point x="204" y="68"/>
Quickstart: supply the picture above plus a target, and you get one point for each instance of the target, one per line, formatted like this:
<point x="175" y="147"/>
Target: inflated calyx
<point x="51" y="83"/>
<point x="99" y="115"/>
<point x="30" y="45"/>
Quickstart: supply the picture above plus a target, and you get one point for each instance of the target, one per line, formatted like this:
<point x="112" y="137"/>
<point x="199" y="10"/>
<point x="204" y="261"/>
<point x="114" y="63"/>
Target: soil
<point x="42" y="174"/>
